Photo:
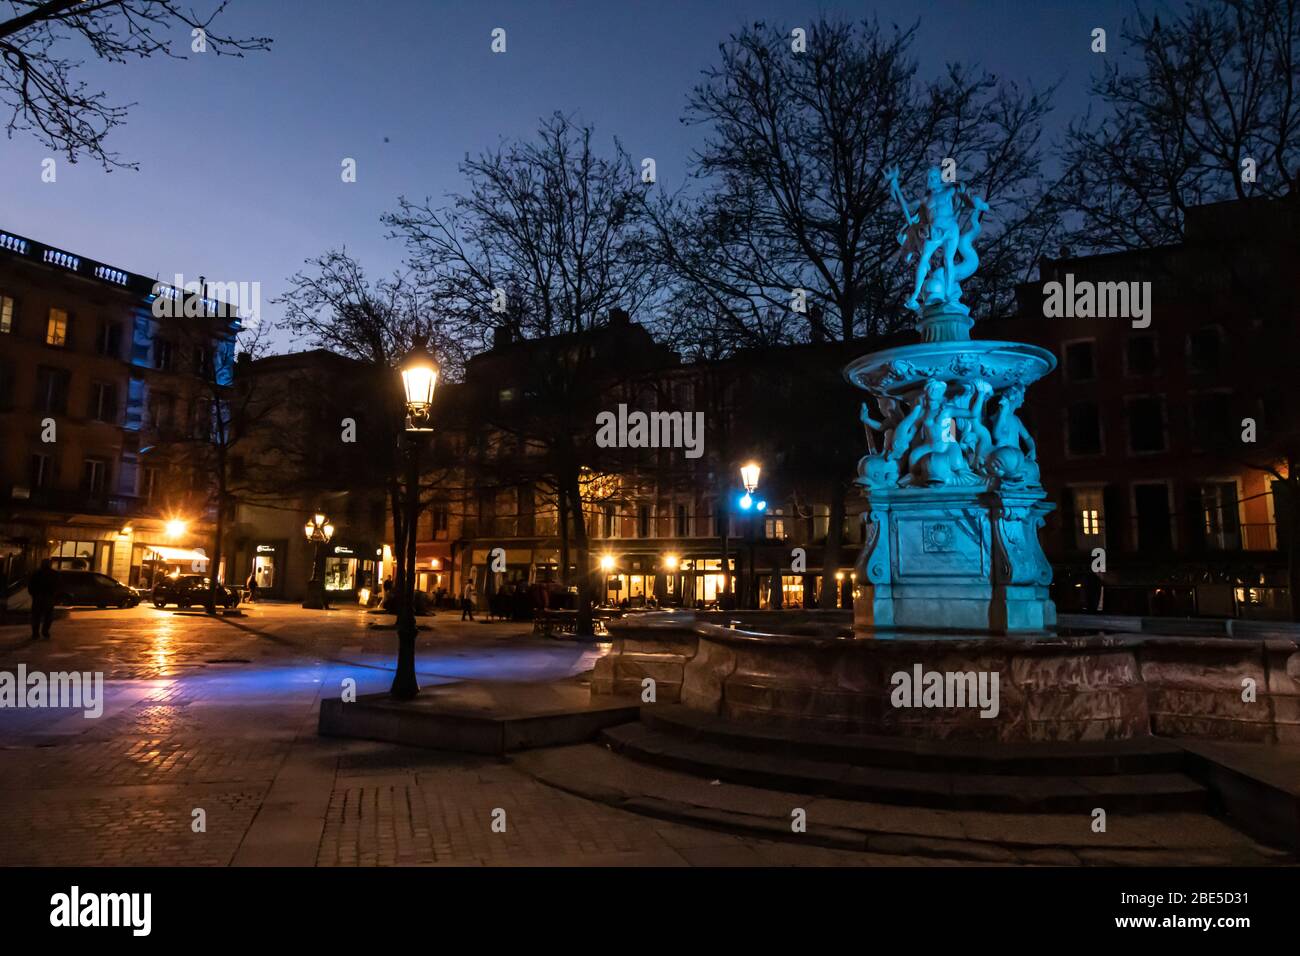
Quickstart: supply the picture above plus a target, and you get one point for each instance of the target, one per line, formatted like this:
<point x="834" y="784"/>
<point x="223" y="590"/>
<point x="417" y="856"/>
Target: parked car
<point x="186" y="590"/>
<point x="92" y="588"/>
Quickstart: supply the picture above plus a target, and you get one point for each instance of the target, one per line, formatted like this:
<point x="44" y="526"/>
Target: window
<point x="1140" y="357"/>
<point x="52" y="389"/>
<point x="683" y="529"/>
<point x="56" y="328"/>
<point x="1083" y="429"/>
<point x="609" y="521"/>
<point x="1146" y="424"/>
<point x="109" y="340"/>
<point x="7" y="377"/>
<point x="94" y="476"/>
<point x="162" y="355"/>
<point x="1210" y="424"/>
<point x="40" y="471"/>
<point x="774" y="525"/>
<point x="1203" y="349"/>
<point x="162" y="408"/>
<point x="643" y="521"/>
<point x="103" y="402"/>
<point x="149" y="484"/>
<point x="440" y="516"/>
<point x="1090" y="518"/>
<point x="6" y="314"/>
<point x="202" y="362"/>
<point x="1218" y="524"/>
<point x="1079" y="365"/>
<point x="1154" y="520"/>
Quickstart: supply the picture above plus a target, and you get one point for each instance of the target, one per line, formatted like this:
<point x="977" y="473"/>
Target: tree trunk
<point x="831" y="550"/>
<point x="726" y="552"/>
<point x="585" y="625"/>
<point x="562" y="509"/>
<point x="214" y="562"/>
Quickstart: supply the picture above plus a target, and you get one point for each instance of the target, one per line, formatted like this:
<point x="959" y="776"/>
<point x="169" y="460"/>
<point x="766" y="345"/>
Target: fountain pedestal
<point x="959" y="558"/>
<point x="954" y="501"/>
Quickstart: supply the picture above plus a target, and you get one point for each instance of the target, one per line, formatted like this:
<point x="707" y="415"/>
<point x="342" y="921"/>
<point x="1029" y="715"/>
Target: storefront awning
<point x="177" y="554"/>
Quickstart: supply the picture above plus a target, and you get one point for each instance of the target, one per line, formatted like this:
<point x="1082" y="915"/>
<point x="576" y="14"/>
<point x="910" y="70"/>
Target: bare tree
<point x="549" y="240"/>
<point x="334" y="305"/>
<point x="39" y="85"/>
<point x="794" y="195"/>
<point x="223" y="413"/>
<point x="1206" y="109"/>
<point x="794" y="234"/>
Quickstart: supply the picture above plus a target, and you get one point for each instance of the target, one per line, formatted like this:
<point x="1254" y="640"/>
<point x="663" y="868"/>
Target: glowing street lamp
<point x="670" y="562"/>
<point x="318" y="531"/>
<point x="749" y="476"/>
<point x="419" y="374"/>
<point x="419" y="379"/>
<point x="176" y="528"/>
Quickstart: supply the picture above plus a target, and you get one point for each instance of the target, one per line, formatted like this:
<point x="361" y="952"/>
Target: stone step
<point x="1144" y="792"/>
<point x="1089" y="758"/>
<point x="1149" y="839"/>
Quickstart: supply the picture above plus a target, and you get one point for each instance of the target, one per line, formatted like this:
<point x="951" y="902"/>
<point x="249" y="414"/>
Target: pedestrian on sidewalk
<point x="43" y="586"/>
<point x="251" y="586"/>
<point x="467" y="602"/>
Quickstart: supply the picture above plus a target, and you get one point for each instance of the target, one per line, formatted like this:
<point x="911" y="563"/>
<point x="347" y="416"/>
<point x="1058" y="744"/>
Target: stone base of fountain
<point x="809" y="671"/>
<point x="954" y="558"/>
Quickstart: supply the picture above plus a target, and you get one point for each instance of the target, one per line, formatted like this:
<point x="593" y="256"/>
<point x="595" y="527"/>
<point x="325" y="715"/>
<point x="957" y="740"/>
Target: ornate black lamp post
<point x="419" y="378"/>
<point x="318" y="531"/>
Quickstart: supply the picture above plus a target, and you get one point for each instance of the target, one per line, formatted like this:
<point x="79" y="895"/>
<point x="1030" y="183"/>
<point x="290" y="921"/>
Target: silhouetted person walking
<point x="43" y="586"/>
<point x="467" y="603"/>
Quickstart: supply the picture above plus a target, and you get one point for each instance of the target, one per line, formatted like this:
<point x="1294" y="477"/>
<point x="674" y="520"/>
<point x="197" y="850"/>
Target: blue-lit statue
<point x="953" y="493"/>
<point x="935" y="227"/>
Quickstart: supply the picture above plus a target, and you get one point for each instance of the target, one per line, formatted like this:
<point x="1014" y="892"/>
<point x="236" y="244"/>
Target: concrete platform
<point x="483" y="717"/>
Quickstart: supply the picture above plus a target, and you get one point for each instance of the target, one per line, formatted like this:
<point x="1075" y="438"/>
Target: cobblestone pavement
<point x="213" y="722"/>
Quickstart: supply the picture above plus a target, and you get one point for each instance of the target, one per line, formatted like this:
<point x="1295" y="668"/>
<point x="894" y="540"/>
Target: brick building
<point x="1143" y="432"/>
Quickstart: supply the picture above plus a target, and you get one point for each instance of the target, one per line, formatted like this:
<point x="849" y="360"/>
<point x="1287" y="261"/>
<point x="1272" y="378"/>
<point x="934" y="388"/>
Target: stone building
<point x="93" y="375"/>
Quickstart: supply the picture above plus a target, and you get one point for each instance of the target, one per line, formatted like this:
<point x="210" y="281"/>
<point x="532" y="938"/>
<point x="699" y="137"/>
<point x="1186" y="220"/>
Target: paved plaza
<point x="220" y="716"/>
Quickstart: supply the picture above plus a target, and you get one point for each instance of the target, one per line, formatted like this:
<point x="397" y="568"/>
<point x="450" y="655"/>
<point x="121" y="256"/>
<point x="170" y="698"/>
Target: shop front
<point x="268" y="563"/>
<point x="351" y="570"/>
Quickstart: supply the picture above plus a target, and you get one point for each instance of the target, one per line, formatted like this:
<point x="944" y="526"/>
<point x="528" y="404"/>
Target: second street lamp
<point x="749" y="474"/>
<point x="419" y="378"/>
<point x="318" y="531"/>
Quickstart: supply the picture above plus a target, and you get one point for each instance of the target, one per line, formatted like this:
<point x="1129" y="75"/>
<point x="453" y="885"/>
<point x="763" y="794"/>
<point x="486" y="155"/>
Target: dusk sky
<point x="239" y="173"/>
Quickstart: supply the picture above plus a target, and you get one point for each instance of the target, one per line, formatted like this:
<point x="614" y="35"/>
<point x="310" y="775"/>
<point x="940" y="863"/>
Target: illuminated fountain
<point x="951" y="581"/>
<point x="954" y="502"/>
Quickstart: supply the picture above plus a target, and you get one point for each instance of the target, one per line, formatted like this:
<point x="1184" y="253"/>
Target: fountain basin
<point x="1051" y="687"/>
<point x="903" y="370"/>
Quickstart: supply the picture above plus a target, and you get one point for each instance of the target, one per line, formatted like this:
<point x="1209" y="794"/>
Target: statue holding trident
<point x="936" y="226"/>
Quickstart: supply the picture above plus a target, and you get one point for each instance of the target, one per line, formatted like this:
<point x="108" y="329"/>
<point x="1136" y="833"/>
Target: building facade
<point x="665" y="525"/>
<point x="1158" y="433"/>
<point x="91" y="379"/>
<point x="310" y="451"/>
